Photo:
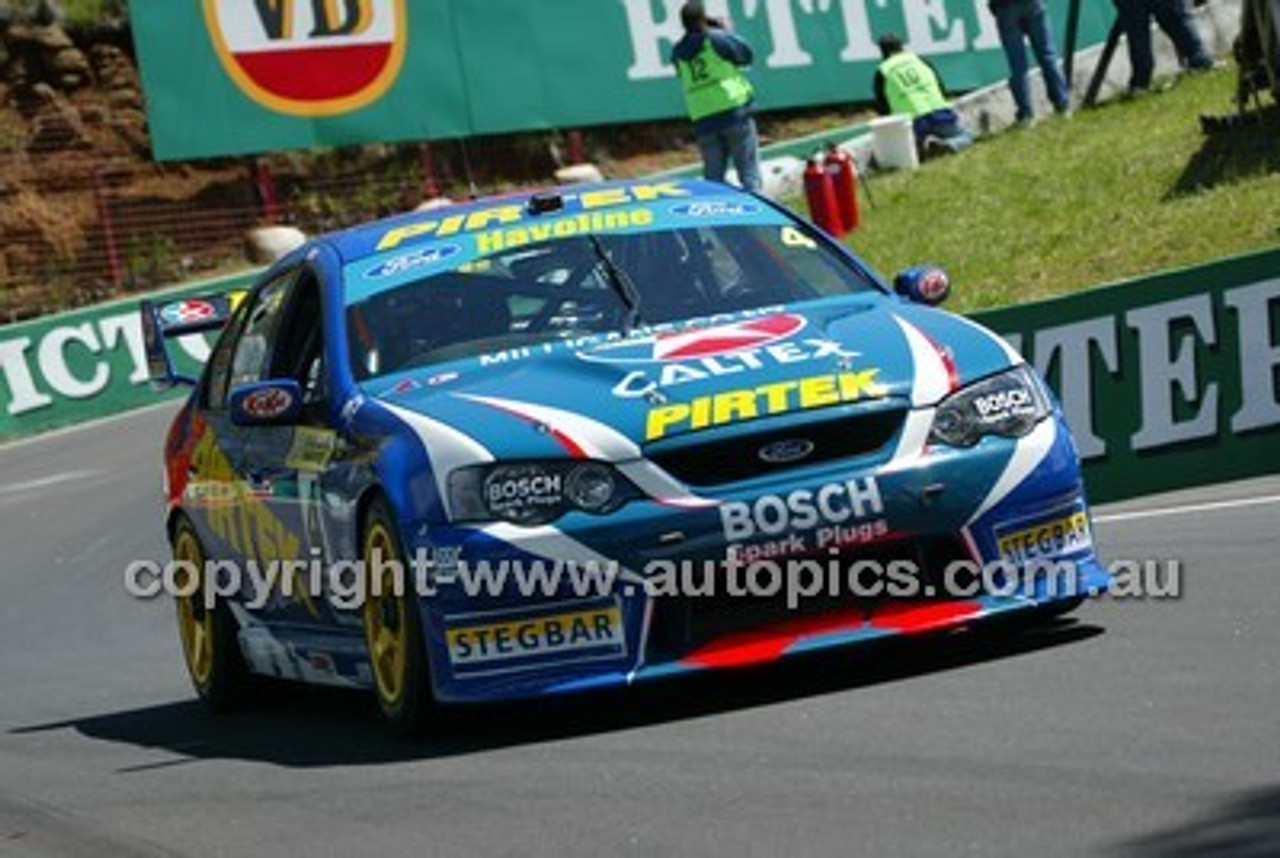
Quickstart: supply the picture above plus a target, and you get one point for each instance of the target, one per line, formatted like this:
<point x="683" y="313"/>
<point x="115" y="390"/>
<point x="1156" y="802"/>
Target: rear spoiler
<point x="164" y="321"/>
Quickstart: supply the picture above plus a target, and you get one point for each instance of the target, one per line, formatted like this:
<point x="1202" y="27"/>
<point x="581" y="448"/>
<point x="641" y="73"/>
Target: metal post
<point x="430" y="185"/>
<point x="266" y="186"/>
<point x="1104" y="62"/>
<point x="1073" y="34"/>
<point x="108" y="229"/>
<point x="577" y="149"/>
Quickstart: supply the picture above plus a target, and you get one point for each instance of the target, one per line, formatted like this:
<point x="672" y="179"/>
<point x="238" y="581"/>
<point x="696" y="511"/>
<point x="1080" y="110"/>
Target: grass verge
<point x="1126" y="189"/>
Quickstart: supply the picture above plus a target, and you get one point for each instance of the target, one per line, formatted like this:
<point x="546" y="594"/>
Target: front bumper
<point x="997" y="528"/>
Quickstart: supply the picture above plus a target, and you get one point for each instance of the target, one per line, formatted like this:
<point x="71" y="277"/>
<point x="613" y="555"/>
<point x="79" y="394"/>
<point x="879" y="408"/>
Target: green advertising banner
<point x="1167" y="382"/>
<point x="74" y="367"/>
<point x="227" y="77"/>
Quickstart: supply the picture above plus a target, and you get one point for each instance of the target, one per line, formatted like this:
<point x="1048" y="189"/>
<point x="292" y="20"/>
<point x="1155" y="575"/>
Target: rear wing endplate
<point x="163" y="321"/>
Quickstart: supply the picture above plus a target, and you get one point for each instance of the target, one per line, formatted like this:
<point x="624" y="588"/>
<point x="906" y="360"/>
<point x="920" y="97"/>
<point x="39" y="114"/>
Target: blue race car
<point x="596" y="435"/>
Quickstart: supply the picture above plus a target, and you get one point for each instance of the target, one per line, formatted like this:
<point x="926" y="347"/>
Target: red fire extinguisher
<point x="820" y="193"/>
<point x="844" y="179"/>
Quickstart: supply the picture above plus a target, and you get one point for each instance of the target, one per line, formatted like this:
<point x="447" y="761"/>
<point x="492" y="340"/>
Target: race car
<point x="596" y="435"/>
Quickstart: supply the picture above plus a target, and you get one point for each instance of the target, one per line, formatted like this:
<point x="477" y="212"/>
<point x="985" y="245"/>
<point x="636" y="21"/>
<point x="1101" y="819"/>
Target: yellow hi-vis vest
<point x="711" y="83"/>
<point x="910" y="86"/>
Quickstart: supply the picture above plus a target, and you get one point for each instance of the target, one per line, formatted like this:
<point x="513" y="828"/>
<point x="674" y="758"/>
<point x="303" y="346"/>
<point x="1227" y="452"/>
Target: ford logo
<point x="784" y="452"/>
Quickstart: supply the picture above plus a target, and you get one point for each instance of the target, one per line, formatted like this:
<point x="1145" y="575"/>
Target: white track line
<point x="45" y="482"/>
<point x="95" y="423"/>
<point x="1162" y="512"/>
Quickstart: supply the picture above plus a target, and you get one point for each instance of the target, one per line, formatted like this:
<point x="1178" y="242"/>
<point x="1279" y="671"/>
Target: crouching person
<point x="907" y="84"/>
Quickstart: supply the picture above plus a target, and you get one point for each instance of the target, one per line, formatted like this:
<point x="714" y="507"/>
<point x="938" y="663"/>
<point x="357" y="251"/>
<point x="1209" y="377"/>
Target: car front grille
<point x="683" y="624"/>
<point x="729" y="460"/>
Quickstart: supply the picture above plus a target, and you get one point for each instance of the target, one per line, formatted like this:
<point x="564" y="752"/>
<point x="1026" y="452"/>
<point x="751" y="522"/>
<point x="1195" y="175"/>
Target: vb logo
<point x="309" y="57"/>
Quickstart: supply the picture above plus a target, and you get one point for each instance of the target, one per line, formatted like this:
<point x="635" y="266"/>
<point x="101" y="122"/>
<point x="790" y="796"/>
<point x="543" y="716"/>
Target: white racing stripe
<point x="602" y="442"/>
<point x="914" y="439"/>
<point x="555" y="545"/>
<point x="446" y="447"/>
<point x="1028" y="455"/>
<point x="597" y="440"/>
<point x="931" y="381"/>
<point x="661" y="486"/>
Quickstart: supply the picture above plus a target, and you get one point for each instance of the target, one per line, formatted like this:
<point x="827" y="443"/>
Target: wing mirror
<point x="277" y="402"/>
<point x="924" y="284"/>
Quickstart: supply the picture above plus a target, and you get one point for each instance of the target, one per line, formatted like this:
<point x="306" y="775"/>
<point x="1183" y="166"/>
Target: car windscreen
<point x="580" y="285"/>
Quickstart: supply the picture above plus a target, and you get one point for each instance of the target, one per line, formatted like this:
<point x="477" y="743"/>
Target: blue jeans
<point x="739" y="143"/>
<point x="1027" y="19"/>
<point x="943" y="125"/>
<point x="1174" y="17"/>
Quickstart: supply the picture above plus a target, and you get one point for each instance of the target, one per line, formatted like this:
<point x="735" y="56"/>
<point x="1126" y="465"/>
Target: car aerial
<point x="594" y="435"/>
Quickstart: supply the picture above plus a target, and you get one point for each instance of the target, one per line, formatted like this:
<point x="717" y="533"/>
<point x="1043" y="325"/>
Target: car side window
<point x="241" y="356"/>
<point x="299" y="349"/>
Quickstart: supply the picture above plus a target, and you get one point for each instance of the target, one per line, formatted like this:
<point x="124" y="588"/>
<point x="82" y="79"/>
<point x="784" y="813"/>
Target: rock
<point x="124" y="99"/>
<point x="578" y="174"/>
<point x="52" y="38"/>
<point x="112" y="68"/>
<point x="266" y="244"/>
<point x="47" y="55"/>
<point x="71" y="68"/>
<point x="433" y="203"/>
<point x="56" y="125"/>
<point x="130" y="125"/>
<point x="93" y="114"/>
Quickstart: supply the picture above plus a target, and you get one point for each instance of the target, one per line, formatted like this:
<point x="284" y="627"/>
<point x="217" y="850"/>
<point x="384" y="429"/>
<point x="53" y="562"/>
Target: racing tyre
<point x="209" y="645"/>
<point x="393" y="629"/>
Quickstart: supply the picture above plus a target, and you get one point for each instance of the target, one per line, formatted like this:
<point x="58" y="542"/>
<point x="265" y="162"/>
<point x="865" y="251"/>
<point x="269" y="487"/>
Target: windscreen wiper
<point x="621" y="283"/>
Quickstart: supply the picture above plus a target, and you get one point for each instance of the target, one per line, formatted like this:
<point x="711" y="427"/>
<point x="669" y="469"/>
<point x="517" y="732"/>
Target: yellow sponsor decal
<point x="1047" y="539"/>
<point x="549" y="635"/>
<point x="312" y="448"/>
<point x="512" y="213"/>
<point x="247" y="524"/>
<point x="498" y="240"/>
<point x="780" y="397"/>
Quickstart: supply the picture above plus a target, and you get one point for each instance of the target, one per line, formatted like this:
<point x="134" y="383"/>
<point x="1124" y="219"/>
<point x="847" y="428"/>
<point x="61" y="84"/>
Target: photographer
<point x="709" y="61"/>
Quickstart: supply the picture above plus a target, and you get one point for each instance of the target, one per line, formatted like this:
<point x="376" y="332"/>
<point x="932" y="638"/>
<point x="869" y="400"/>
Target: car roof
<point x="367" y="239"/>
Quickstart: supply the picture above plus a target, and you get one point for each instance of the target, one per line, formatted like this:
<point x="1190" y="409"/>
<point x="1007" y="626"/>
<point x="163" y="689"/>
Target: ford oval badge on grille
<point x="784" y="452"/>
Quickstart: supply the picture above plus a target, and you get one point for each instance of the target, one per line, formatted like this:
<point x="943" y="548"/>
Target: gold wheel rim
<point x="384" y="618"/>
<point x="195" y="622"/>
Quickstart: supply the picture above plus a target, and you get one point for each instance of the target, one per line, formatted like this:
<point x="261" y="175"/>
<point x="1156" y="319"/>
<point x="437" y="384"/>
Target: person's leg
<point x="1174" y="17"/>
<point x="744" y="149"/>
<point x="714" y="154"/>
<point x="941" y="132"/>
<point x="1009" y="24"/>
<point x="1040" y="32"/>
<point x="1137" y="32"/>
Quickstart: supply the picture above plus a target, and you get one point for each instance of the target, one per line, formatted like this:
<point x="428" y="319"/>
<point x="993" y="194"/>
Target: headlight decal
<point x="933" y="369"/>
<point x="1008" y="404"/>
<point x="533" y="492"/>
<point x="447" y="448"/>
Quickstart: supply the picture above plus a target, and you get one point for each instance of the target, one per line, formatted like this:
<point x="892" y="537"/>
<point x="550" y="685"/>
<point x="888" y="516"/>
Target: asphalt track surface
<point x="1141" y="728"/>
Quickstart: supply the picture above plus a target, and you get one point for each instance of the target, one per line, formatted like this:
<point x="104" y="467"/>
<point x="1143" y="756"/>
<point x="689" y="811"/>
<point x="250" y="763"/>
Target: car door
<point x="241" y="521"/>
<point x="285" y="465"/>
